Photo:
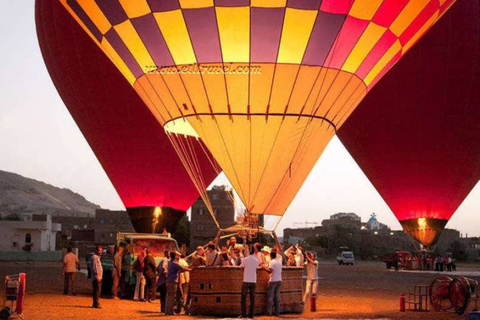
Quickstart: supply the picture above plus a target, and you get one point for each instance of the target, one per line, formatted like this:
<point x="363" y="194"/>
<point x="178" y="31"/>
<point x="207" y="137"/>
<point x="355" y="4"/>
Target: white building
<point x="34" y="236"/>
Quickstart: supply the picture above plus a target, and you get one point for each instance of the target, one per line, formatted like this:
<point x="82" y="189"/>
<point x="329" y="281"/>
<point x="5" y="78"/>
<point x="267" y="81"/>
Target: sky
<point x="40" y="140"/>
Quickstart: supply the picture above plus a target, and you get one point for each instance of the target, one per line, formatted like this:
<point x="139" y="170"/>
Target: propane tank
<point x="402" y="303"/>
<point x="313" y="304"/>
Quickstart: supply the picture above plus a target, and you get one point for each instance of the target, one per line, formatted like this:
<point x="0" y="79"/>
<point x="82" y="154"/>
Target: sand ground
<point x="364" y="291"/>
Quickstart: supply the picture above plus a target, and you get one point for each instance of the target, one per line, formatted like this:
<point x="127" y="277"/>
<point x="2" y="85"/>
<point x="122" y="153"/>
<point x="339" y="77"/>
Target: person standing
<point x="172" y="281"/>
<point x="150" y="276"/>
<point x="198" y="258"/>
<point x="274" y="283"/>
<point x="69" y="270"/>
<point x="184" y="283"/>
<point x="311" y="285"/>
<point x="139" y="266"/>
<point x="97" y="275"/>
<point x="162" y="269"/>
<point x="213" y="259"/>
<point x="249" y="267"/>
<point x="117" y="271"/>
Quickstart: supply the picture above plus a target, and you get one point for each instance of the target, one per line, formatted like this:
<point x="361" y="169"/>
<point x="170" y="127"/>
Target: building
<point x="298" y="235"/>
<point x="202" y="226"/>
<point x="343" y="218"/>
<point x="373" y="224"/>
<point x="35" y="235"/>
<point x="107" y="223"/>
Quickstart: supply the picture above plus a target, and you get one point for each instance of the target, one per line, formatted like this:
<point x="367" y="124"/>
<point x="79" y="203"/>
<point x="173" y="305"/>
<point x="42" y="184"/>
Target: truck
<point x="134" y="244"/>
<point x="346" y="257"/>
<point x="398" y="257"/>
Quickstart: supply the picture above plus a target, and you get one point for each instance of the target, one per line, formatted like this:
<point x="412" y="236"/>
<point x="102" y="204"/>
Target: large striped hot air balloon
<point x="417" y="135"/>
<point x="264" y="83"/>
<point x="127" y="140"/>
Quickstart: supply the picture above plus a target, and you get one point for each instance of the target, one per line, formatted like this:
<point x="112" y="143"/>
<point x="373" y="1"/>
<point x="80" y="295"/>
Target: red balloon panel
<point x="127" y="140"/>
<point x="417" y="133"/>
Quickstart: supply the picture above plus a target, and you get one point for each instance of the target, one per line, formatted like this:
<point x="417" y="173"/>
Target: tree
<point x="182" y="232"/>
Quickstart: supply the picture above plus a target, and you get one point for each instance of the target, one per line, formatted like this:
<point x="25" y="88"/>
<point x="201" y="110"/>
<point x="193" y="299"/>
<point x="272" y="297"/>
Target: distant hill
<point x="24" y="196"/>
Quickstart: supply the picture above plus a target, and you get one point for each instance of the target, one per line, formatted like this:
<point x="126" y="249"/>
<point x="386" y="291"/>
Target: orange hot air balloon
<point x="264" y="83"/>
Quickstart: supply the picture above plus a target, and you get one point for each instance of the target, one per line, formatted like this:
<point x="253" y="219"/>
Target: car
<point x="346" y="258"/>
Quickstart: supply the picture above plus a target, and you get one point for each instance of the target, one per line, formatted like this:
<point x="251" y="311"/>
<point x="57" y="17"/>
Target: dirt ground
<point x="364" y="291"/>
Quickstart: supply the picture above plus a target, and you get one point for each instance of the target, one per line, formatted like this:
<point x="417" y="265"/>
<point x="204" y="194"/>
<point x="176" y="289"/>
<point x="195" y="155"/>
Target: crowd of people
<point x="171" y="276"/>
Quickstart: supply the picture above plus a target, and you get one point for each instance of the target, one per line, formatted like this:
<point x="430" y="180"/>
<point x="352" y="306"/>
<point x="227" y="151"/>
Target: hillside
<point x="20" y="195"/>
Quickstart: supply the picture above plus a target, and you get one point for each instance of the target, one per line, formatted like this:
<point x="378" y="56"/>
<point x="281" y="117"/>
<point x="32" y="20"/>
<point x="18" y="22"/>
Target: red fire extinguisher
<point x="402" y="303"/>
<point x="313" y="304"/>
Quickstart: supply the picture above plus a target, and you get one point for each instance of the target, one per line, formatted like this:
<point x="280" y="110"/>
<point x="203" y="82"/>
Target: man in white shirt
<point x="70" y="267"/>
<point x="184" y="283"/>
<point x="275" y="270"/>
<point x="249" y="266"/>
<point x="213" y="259"/>
<point x="97" y="274"/>
<point x="311" y="285"/>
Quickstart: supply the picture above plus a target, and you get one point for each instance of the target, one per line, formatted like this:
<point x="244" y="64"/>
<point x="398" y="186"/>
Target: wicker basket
<point x="216" y="291"/>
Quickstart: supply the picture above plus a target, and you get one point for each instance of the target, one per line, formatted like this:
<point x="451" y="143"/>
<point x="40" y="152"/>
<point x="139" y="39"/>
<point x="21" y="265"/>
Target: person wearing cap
<point x="266" y="255"/>
<point x="275" y="281"/>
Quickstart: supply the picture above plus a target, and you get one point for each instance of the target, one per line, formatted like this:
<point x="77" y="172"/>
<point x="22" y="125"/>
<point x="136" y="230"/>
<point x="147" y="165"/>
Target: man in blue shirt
<point x="172" y="281"/>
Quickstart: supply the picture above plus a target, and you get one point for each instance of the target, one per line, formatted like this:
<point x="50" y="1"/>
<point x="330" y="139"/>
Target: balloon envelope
<point x="264" y="83"/>
<point x="416" y="135"/>
<point x="131" y="146"/>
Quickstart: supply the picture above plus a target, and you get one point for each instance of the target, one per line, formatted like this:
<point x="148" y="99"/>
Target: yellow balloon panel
<point x="265" y="160"/>
<point x="264" y="84"/>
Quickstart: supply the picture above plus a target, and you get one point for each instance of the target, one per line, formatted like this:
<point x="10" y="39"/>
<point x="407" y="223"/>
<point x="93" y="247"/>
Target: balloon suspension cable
<point x="187" y="154"/>
<point x="277" y="223"/>
<point x="215" y="167"/>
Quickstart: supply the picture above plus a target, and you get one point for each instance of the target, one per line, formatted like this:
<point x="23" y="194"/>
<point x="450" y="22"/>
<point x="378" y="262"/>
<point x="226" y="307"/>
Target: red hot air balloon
<point x="417" y="134"/>
<point x="124" y="135"/>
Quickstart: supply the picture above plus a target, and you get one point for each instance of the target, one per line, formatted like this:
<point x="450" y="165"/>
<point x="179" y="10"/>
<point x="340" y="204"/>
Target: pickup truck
<point x="346" y="258"/>
<point x="134" y="244"/>
<point x="400" y="256"/>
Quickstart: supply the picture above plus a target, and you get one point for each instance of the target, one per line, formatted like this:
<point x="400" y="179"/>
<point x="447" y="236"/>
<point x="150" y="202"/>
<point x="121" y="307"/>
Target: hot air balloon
<point x="127" y="140"/>
<point x="416" y="135"/>
<point x="263" y="83"/>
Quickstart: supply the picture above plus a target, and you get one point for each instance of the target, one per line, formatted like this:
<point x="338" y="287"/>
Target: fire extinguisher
<point x="402" y="303"/>
<point x="313" y="305"/>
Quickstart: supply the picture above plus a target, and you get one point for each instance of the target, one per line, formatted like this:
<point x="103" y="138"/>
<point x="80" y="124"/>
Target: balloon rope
<point x="193" y="170"/>
<point x="217" y="169"/>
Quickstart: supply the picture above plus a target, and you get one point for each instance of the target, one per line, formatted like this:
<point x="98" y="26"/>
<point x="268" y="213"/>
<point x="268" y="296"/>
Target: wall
<point x="42" y="235"/>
